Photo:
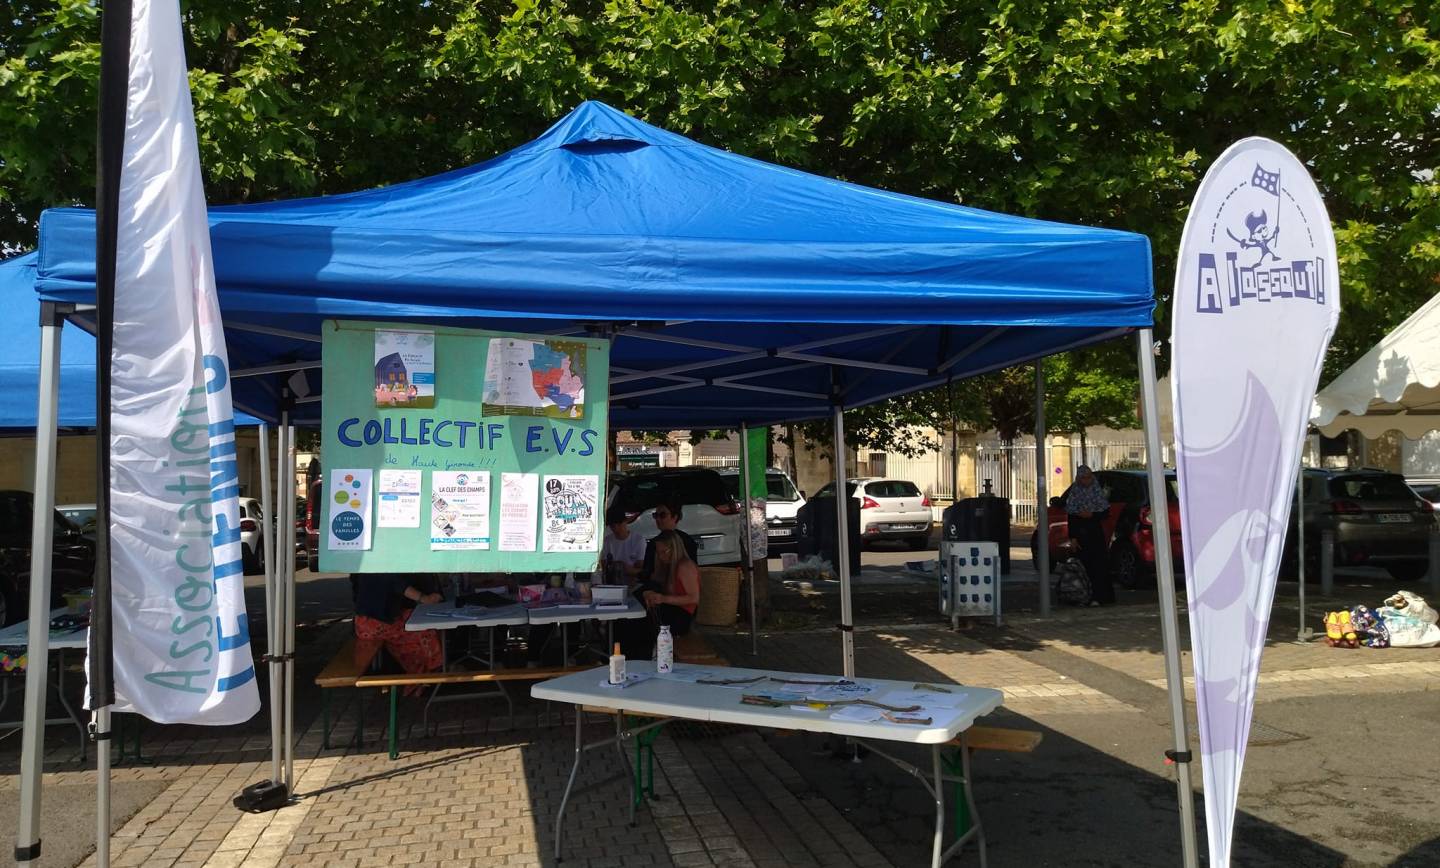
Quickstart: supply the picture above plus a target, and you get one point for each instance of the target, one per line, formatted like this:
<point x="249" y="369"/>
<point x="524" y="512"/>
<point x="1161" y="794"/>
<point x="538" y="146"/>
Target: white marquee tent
<point x="1394" y="387"/>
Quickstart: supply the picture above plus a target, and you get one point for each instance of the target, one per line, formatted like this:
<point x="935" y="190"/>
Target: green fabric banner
<point x="755" y="454"/>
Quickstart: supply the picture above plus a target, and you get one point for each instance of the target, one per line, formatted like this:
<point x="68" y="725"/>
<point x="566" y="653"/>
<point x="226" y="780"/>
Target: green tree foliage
<point x="1062" y="109"/>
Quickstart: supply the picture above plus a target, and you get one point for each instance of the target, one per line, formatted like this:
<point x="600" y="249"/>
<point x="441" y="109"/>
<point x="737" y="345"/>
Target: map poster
<point x="571" y="514"/>
<point x="404" y="369"/>
<point x="399" y="499"/>
<point x="350" y="524"/>
<point x="534" y="378"/>
<point x="519" y="511"/>
<point x="459" y="510"/>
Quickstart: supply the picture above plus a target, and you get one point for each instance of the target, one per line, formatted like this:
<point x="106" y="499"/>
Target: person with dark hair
<point x="623" y="553"/>
<point x="383" y="603"/>
<point x="668" y="513"/>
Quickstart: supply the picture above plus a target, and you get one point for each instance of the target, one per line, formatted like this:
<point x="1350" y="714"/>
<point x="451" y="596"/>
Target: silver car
<point x="708" y="513"/>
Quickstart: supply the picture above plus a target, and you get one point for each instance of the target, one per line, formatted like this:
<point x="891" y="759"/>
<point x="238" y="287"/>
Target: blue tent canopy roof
<point x="740" y="291"/>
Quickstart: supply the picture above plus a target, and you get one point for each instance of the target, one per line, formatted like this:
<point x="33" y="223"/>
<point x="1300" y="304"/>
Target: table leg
<point x="970" y="799"/>
<point x="65" y="704"/>
<point x="579" y="751"/>
<point x="394" y="717"/>
<point x="939" y="847"/>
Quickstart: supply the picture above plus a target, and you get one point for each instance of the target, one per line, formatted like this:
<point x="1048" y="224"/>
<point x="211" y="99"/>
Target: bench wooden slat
<point x="467" y="677"/>
<point x="341" y="671"/>
<point x="1001" y="739"/>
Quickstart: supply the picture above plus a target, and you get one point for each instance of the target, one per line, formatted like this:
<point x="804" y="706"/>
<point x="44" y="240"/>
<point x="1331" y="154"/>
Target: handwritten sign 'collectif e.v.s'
<point x="549" y="419"/>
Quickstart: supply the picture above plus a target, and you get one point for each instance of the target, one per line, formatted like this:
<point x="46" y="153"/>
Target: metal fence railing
<point x="1010" y="470"/>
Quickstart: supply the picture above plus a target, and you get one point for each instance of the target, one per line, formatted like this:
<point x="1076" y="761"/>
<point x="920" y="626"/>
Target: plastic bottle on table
<point x="664" y="651"/>
<point x="617" y="666"/>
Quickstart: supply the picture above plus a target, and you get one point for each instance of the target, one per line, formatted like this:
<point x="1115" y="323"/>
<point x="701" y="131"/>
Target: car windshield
<point x="1370" y="487"/>
<point x="84" y="518"/>
<point x="829" y="489"/>
<point x="639" y="493"/>
<point x="778" y="488"/>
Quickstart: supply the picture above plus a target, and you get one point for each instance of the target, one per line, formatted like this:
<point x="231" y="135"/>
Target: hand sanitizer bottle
<point x="617" y="666"/>
<point x="664" y="651"/>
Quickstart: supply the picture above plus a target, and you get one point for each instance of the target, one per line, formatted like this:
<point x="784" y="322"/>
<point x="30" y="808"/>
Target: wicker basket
<point x="719" y="596"/>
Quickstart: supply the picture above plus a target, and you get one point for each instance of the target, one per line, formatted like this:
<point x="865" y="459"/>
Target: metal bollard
<point x="1435" y="561"/>
<point x="1327" y="562"/>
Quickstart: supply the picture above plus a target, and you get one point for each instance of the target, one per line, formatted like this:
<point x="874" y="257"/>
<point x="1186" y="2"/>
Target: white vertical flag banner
<point x="1256" y="301"/>
<point x="182" y="646"/>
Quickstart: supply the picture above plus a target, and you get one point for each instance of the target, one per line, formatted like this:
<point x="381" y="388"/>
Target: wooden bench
<point x="392" y="683"/>
<point x="983" y="738"/>
<point x="694" y="648"/>
<point x="341" y="671"/>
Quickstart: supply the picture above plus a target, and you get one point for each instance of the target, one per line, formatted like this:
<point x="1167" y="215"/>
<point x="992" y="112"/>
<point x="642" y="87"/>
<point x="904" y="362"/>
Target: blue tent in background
<point x="20" y="357"/>
<point x="737" y="291"/>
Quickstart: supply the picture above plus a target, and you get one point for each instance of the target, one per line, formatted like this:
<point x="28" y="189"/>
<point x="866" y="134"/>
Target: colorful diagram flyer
<point x="350" y="525"/>
<point x="404" y="369"/>
<point x="571" y="514"/>
<point x="459" y="510"/>
<point x="519" y="511"/>
<point x="534" y="378"/>
<point x="399" y="499"/>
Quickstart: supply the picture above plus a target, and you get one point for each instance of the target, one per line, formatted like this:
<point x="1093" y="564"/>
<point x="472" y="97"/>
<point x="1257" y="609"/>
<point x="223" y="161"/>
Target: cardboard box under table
<point x="726" y="695"/>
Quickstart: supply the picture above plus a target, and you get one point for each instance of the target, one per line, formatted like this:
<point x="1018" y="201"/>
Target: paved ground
<point x="1341" y="769"/>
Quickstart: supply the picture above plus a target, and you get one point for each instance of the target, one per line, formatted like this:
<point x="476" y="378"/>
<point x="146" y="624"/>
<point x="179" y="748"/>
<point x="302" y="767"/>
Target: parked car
<point x="1127" y="527"/>
<point x="72" y="565"/>
<point x="82" y="515"/>
<point x="708" y="512"/>
<point x="890" y="509"/>
<point x="1428" y="489"/>
<point x="252" y="546"/>
<point x="1376" y="518"/>
<point x="782" y="501"/>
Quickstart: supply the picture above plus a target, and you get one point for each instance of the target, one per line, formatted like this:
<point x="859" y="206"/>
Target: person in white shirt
<point x="622" y="548"/>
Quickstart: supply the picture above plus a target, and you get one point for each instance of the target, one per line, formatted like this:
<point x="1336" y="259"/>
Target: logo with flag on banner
<point x="1263" y="246"/>
<point x="182" y="652"/>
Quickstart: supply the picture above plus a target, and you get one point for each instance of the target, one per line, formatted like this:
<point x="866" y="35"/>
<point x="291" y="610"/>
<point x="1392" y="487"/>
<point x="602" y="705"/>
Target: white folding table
<point x="17" y="635"/>
<point x="445" y="616"/>
<point x="675" y="697"/>
<point x="567" y="615"/>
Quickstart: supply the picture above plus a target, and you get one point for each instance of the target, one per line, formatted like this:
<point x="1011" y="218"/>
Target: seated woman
<point x="383" y="603"/>
<point x="671" y="595"/>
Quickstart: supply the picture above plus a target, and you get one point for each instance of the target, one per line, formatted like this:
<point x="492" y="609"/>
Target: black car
<point x="1376" y="518"/>
<point x="73" y="557"/>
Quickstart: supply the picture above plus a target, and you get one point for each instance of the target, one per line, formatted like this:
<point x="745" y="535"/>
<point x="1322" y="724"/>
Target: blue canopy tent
<point x="20" y="357"/>
<point x="722" y="279"/>
<point x="735" y="292"/>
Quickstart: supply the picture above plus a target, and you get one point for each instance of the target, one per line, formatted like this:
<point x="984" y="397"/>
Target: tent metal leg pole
<point x="1302" y="633"/>
<point x="32" y="750"/>
<point x="1042" y="502"/>
<point x="270" y="526"/>
<point x="1165" y="580"/>
<point x="746" y="543"/>
<point x="287" y="557"/>
<point x="101" y="727"/>
<point x="842" y="531"/>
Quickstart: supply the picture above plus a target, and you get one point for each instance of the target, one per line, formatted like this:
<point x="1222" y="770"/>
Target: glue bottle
<point x="664" y="651"/>
<point x="617" y="666"/>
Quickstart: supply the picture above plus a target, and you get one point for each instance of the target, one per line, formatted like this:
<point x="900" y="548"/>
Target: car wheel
<point x="1407" y="571"/>
<point x="918" y="543"/>
<point x="250" y="561"/>
<point x="1125" y="566"/>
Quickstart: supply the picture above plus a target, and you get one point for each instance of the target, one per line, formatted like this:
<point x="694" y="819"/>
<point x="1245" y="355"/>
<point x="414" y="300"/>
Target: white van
<point x="783" y="500"/>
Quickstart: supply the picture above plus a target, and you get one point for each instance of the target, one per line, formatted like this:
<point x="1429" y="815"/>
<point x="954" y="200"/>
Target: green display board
<point x="413" y="424"/>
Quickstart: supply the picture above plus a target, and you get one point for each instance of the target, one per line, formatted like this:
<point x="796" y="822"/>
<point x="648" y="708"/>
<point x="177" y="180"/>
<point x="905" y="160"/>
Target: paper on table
<point x="857" y="714"/>
<point x="923" y="697"/>
<point x="519" y="511"/>
<point x="631" y="679"/>
<point x="844" y="691"/>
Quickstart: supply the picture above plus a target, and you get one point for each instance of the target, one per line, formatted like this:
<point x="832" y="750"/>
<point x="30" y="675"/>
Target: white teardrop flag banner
<point x="182" y="645"/>
<point x="1256" y="301"/>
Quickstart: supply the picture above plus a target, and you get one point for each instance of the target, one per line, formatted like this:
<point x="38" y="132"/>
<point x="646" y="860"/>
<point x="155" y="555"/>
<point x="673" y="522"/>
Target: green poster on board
<point x="458" y="450"/>
<point x="757" y="440"/>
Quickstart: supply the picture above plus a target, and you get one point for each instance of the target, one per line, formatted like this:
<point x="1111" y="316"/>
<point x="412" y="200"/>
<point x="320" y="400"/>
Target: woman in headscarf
<point x="1087" y="509"/>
